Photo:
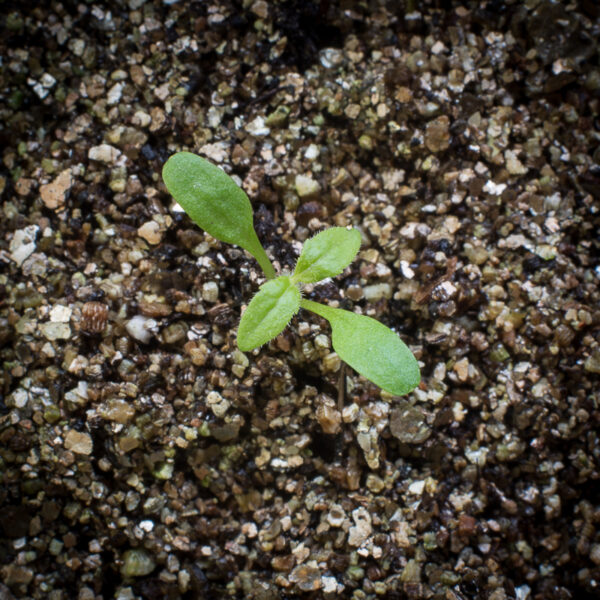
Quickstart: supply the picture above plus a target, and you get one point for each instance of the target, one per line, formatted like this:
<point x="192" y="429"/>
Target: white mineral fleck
<point x="76" y="46"/>
<point x="18" y="398"/>
<point x="406" y="270"/>
<point x="217" y="152"/>
<point x="311" y="152"/>
<point x="56" y="331"/>
<point x="409" y="231"/>
<point x="478" y="456"/>
<point x="438" y="48"/>
<point x="217" y="403"/>
<point x="141" y="328"/>
<point x="367" y="440"/>
<point x="458" y="412"/>
<point x="104" y="153"/>
<point x="392" y="178"/>
<point x="362" y="528"/>
<point x="114" y="94"/>
<point x="306" y="186"/>
<point x="330" y="584"/>
<point x="495" y="189"/>
<point x="141" y="118"/>
<point x="162" y="91"/>
<point x="257" y="127"/>
<point x="250" y="530"/>
<point x="377" y="291"/>
<point x="48" y="81"/>
<point x="417" y="487"/>
<point x="78" y="395"/>
<point x="446" y="289"/>
<point x="336" y="515"/>
<point x="214" y="117"/>
<point x="23" y="243"/>
<point x="513" y="165"/>
<point x="38" y="88"/>
<point x="60" y="313"/>
<point x="516" y="240"/>
<point x="147" y="525"/>
<point x="330" y="57"/>
<point x="552" y="202"/>
<point x="522" y="592"/>
<point x="210" y="291"/>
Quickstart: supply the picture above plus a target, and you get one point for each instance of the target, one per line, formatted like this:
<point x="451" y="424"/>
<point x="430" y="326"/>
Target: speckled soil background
<point x="143" y="456"/>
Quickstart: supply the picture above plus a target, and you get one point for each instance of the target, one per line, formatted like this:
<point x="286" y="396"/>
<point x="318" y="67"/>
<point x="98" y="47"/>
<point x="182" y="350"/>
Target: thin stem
<point x="263" y="260"/>
<point x="315" y="307"/>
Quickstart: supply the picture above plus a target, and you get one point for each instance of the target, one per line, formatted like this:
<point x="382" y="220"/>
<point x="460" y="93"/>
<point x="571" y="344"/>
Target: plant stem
<point x="263" y="260"/>
<point x="315" y="307"/>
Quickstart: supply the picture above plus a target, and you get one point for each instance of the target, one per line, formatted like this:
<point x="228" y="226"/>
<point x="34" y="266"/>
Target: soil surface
<point x="143" y="456"/>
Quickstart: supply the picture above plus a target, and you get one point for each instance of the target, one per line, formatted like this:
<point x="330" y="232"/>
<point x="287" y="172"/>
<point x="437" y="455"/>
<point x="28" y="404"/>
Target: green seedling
<point x="219" y="206"/>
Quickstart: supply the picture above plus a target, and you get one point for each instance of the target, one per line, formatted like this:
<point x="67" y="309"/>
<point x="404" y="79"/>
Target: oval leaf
<point x="268" y="313"/>
<point x="370" y="348"/>
<point x="214" y="202"/>
<point x="327" y="254"/>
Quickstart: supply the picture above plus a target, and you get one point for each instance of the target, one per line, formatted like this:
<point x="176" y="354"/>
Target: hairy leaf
<point x="370" y="348"/>
<point x="268" y="313"/>
<point x="214" y="202"/>
<point x="327" y="254"/>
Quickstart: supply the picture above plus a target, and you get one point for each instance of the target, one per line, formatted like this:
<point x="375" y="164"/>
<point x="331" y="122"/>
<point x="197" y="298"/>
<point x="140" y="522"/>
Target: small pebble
<point x="53" y="194"/>
<point x="151" y="232"/>
<point x="137" y="563"/>
<point x="306" y="186"/>
<point x="210" y="292"/>
<point x="104" y="153"/>
<point x="80" y="443"/>
<point x="362" y="528"/>
<point x="437" y="134"/>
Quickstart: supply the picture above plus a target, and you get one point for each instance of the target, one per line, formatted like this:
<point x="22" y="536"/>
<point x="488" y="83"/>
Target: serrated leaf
<point x="327" y="254"/>
<point x="268" y="313"/>
<point x="370" y="348"/>
<point x="215" y="203"/>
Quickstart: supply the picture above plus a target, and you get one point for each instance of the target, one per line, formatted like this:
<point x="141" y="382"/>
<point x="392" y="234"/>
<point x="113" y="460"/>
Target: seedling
<point x="219" y="206"/>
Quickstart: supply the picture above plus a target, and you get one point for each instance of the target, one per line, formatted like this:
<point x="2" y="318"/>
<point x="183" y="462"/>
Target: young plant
<point x="219" y="206"/>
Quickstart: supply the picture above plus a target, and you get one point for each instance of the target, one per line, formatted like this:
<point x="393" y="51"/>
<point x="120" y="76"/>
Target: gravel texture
<point x="143" y="456"/>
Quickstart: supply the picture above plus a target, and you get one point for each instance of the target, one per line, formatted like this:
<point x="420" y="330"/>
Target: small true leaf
<point x="268" y="313"/>
<point x="327" y="254"/>
<point x="370" y="348"/>
<point x="214" y="202"/>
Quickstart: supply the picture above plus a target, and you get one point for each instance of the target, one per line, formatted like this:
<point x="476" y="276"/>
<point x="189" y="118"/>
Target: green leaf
<point x="215" y="203"/>
<point x="370" y="348"/>
<point x="327" y="254"/>
<point x="268" y="313"/>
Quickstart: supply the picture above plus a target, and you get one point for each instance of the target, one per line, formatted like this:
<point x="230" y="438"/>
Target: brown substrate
<point x="143" y="456"/>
